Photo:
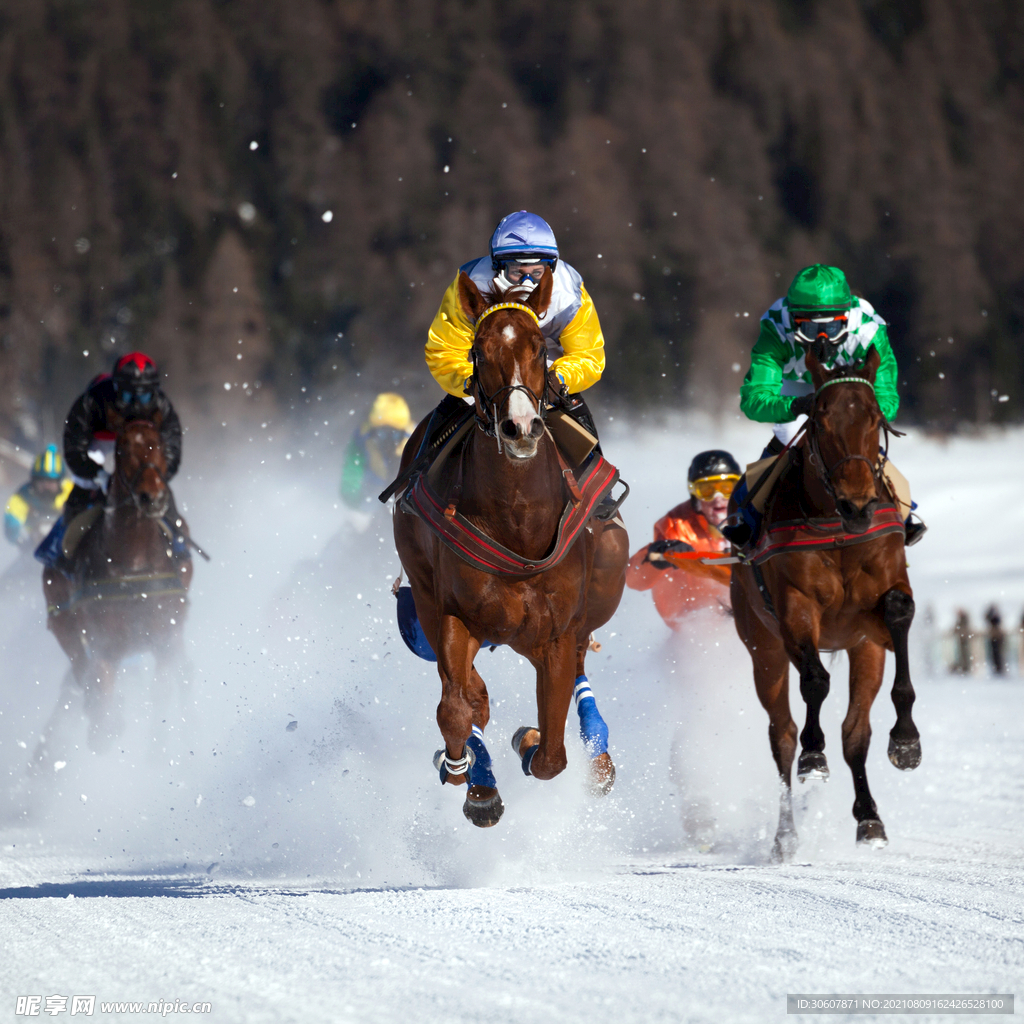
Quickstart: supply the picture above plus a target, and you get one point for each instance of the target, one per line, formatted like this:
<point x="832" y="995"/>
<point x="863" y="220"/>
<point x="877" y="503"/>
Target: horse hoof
<point x="784" y="849"/>
<point x="905" y="754"/>
<point x="871" y="832"/>
<point x="602" y="775"/>
<point x="812" y="765"/>
<point x="483" y="806"/>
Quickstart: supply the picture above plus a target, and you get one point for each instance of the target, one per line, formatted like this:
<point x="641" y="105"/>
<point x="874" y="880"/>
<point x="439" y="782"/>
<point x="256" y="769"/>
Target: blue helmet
<point x="521" y="235"/>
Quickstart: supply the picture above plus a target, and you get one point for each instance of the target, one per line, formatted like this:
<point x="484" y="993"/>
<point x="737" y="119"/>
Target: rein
<point x="489" y="407"/>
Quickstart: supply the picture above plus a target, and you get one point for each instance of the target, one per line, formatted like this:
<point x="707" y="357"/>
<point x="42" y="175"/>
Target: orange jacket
<point x="676" y="592"/>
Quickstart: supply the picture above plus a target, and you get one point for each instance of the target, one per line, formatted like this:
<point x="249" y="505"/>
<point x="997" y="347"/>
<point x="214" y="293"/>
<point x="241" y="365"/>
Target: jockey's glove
<point x="802" y="405"/>
<point x="656" y="552"/>
<point x="557" y="391"/>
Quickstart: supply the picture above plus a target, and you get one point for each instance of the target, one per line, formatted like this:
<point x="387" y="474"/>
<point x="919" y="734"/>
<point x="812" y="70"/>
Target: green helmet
<point x="819" y="289"/>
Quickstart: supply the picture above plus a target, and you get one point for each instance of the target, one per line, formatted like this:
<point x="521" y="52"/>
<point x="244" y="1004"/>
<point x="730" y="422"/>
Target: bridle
<point x="489" y="406"/>
<point x="130" y="485"/>
<point x="827" y="474"/>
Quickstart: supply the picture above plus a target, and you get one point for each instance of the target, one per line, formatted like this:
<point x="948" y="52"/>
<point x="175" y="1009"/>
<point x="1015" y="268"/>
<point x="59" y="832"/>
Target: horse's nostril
<point x="509" y="429"/>
<point x="536" y="427"/>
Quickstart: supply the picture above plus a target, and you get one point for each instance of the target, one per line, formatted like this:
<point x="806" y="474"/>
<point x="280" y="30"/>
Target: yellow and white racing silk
<point x="570" y="328"/>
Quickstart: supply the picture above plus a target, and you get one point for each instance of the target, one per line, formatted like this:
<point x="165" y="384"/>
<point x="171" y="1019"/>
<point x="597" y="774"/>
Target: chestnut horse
<point x="128" y="591"/>
<point x="855" y="598"/>
<point x="511" y="487"/>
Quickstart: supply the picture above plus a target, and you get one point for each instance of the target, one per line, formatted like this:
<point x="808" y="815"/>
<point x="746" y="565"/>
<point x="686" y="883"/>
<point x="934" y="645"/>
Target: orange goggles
<point x="708" y="486"/>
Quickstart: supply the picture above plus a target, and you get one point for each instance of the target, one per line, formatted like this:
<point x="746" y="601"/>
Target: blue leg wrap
<point x="528" y="758"/>
<point x="593" y="728"/>
<point x="49" y="551"/>
<point x="480" y="773"/>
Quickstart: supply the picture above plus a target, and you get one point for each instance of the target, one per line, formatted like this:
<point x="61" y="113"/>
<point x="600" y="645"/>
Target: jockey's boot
<point x="742" y="528"/>
<point x="51" y="551"/>
<point x="450" y="414"/>
<point x="915" y="531"/>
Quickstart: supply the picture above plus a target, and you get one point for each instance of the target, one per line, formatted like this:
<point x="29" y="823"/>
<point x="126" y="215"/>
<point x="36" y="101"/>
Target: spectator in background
<point x="963" y="659"/>
<point x="996" y="640"/>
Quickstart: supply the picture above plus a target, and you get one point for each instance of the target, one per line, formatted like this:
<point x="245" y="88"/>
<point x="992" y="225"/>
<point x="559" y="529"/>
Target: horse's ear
<point x="540" y="297"/>
<point x="115" y="421"/>
<point x="157" y="419"/>
<point x="872" y="363"/>
<point x="817" y="370"/>
<point x="473" y="303"/>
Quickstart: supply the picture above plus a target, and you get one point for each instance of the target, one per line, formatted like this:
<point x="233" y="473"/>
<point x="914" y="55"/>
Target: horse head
<point x="140" y="468"/>
<point x="843" y="436"/>
<point x="509" y="357"/>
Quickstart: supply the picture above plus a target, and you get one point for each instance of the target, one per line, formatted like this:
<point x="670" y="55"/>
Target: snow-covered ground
<point x="318" y="871"/>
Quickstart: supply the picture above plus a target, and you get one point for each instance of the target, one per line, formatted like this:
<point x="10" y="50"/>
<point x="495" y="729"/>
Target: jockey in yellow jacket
<point x="521" y="247"/>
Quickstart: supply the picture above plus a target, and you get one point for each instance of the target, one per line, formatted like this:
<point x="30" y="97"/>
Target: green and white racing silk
<point x="778" y="373"/>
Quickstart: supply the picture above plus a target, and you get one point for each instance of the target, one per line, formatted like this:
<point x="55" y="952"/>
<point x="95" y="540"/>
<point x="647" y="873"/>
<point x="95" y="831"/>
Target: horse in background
<point x="509" y="486"/>
<point x="850" y="594"/>
<point x="127" y="593"/>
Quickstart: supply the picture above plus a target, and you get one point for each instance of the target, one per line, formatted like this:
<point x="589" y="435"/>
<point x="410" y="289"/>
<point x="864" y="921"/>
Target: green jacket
<point x="778" y="374"/>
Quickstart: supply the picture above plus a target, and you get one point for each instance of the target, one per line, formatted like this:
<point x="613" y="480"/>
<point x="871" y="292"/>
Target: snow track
<point x="319" y="872"/>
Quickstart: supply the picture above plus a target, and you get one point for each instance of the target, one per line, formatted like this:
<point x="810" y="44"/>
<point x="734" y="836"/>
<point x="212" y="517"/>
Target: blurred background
<point x="296" y="183"/>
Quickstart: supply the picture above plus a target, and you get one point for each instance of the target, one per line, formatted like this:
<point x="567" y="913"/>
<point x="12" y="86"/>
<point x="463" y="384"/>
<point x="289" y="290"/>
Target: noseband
<point x="490" y="406"/>
<point x="827" y="474"/>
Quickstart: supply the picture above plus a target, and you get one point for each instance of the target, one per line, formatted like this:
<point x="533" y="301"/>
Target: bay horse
<point x="510" y="485"/>
<point x="854" y="597"/>
<point x="127" y="594"/>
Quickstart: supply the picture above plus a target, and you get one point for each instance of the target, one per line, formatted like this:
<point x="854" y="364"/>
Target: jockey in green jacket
<point x="778" y="388"/>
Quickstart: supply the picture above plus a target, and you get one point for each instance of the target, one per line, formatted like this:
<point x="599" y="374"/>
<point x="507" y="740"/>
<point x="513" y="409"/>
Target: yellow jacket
<point x="570" y="326"/>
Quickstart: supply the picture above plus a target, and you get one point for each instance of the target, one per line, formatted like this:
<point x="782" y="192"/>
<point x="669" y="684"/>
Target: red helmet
<point x="136" y="381"/>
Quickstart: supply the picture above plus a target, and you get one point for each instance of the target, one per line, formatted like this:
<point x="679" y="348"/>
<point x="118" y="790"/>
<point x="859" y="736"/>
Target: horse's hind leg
<point x="771" y="677"/>
<point x="483" y="806"/>
<point x="904" y="739"/>
<point x="799" y="618"/>
<point x="867" y="664"/>
<point x="54" y="737"/>
<point x="593" y="728"/>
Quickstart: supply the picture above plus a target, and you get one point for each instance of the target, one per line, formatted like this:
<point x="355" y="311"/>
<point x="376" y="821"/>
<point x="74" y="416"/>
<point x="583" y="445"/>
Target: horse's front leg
<point x="456" y="651"/>
<point x="867" y="664"/>
<point x="800" y="621"/>
<point x="543" y="755"/>
<point x="904" y="739"/>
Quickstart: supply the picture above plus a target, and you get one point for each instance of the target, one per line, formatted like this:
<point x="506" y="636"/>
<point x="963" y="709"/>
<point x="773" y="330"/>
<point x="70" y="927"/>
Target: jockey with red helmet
<point x="130" y="392"/>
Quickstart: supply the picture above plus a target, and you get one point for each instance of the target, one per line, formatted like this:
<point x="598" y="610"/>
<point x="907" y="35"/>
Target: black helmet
<point x="136" y="383"/>
<point x="712" y="463"/>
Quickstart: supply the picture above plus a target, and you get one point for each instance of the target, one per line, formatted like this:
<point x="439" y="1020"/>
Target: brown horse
<point x="128" y="591"/>
<point x="855" y="598"/>
<point x="511" y="486"/>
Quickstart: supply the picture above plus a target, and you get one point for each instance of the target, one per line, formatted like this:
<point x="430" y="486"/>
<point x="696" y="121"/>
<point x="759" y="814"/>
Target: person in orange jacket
<point x="690" y="526"/>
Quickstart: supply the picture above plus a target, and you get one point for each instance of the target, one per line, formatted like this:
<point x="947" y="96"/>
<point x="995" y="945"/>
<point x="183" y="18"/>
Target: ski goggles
<point x="812" y="328"/>
<point x="707" y="487"/>
<point x="129" y="397"/>
<point x="534" y="270"/>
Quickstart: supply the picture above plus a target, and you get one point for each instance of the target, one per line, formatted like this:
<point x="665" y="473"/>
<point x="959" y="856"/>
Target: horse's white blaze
<point x="520" y="408"/>
<point x="509" y="333"/>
